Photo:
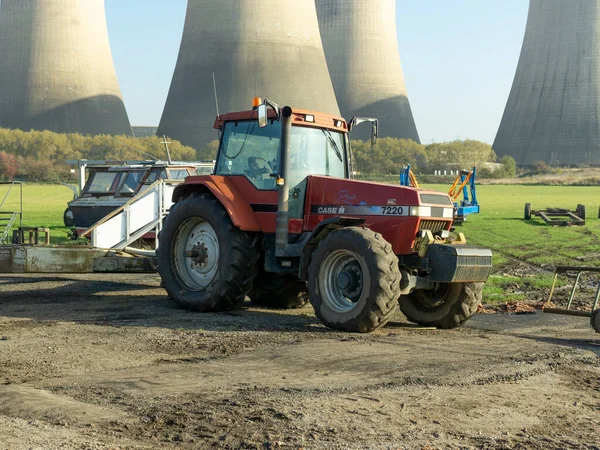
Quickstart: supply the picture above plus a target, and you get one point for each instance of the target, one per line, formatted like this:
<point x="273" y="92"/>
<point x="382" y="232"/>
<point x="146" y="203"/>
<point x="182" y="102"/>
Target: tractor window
<point x="247" y="149"/>
<point x="317" y="151"/>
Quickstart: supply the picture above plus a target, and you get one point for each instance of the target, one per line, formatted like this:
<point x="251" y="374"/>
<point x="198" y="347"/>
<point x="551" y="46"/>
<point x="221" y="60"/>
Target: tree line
<point x="389" y="155"/>
<point x="39" y="156"/>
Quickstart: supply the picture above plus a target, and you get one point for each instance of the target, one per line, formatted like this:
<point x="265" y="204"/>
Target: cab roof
<point x="299" y="118"/>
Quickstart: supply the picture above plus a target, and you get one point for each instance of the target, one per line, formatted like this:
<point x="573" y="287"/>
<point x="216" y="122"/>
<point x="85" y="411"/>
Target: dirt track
<point x="86" y="363"/>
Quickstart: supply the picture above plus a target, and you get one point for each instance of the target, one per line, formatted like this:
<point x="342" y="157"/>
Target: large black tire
<point x="68" y="218"/>
<point x="595" y="320"/>
<point x="278" y="291"/>
<point x="367" y="297"/>
<point x="527" y="214"/>
<point x="196" y="223"/>
<point x="580" y="211"/>
<point x="448" y="306"/>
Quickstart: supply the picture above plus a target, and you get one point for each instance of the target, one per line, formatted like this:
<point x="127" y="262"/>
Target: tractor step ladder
<point x="594" y="314"/>
<point x="142" y="214"/>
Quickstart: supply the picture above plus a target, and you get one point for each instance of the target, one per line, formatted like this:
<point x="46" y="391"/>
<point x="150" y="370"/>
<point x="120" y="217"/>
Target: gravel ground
<point x="96" y="364"/>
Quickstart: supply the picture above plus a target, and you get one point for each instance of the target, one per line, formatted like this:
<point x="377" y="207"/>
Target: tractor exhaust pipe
<point x="283" y="220"/>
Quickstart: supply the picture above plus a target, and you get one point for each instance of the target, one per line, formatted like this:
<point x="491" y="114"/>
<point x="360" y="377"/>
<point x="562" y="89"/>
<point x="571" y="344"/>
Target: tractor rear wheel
<point x="354" y="280"/>
<point x="447" y="306"/>
<point x="527" y="214"/>
<point x="278" y="291"/>
<point x="205" y="262"/>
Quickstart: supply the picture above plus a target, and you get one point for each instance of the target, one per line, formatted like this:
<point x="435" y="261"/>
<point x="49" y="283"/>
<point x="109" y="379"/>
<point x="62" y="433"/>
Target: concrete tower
<point x="553" y="112"/>
<point x="361" y="46"/>
<point x="255" y="48"/>
<point x="56" y="68"/>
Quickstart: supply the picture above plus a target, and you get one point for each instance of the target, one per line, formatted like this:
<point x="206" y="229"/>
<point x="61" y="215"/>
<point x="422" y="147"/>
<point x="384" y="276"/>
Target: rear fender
<point x="320" y="233"/>
<point x="239" y="210"/>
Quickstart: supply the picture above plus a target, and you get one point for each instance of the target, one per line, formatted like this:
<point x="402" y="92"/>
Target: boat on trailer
<point x="105" y="186"/>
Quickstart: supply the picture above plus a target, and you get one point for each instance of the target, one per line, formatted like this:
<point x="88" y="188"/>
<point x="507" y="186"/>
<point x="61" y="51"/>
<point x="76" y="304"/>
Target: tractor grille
<point x="432" y="225"/>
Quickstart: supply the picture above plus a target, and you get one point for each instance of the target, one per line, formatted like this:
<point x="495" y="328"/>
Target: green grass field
<point x="500" y="227"/>
<point x="43" y="206"/>
<point x="532" y="244"/>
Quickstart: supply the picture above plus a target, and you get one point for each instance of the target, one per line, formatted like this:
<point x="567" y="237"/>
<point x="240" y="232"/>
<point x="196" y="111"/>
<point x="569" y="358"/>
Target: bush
<point x="8" y="166"/>
<point x="510" y="166"/>
<point x="542" y="167"/>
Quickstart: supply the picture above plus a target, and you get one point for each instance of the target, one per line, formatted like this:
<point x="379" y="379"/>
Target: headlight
<point x="448" y="213"/>
<point x="420" y="211"/>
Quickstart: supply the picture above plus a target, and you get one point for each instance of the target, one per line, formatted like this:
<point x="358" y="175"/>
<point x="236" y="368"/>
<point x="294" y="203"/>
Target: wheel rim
<point x="196" y="254"/>
<point x="341" y="277"/>
<point x="436" y="297"/>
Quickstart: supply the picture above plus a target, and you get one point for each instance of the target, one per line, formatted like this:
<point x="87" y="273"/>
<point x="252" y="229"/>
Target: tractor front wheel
<point x="447" y="306"/>
<point x="354" y="280"/>
<point x="206" y="264"/>
<point x="278" y="291"/>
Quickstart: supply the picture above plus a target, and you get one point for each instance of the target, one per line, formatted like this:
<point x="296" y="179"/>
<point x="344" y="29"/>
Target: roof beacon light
<point x="256" y="102"/>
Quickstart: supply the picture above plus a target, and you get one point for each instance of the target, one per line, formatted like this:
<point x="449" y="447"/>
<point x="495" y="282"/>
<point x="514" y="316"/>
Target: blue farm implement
<point x="464" y="183"/>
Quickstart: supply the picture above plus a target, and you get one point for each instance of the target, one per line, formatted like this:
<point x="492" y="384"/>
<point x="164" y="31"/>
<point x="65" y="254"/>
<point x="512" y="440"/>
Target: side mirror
<point x="375" y="126"/>
<point x="263" y="116"/>
<point x="375" y="132"/>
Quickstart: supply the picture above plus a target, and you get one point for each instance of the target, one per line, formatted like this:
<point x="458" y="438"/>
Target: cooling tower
<point x="361" y="46"/>
<point x="553" y="112"/>
<point x="255" y="48"/>
<point x="56" y="68"/>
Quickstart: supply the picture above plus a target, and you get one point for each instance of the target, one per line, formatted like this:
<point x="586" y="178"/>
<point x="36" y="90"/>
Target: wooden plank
<point x="118" y="264"/>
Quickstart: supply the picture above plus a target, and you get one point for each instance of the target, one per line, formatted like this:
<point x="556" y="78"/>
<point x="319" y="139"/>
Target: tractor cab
<point x="251" y="142"/>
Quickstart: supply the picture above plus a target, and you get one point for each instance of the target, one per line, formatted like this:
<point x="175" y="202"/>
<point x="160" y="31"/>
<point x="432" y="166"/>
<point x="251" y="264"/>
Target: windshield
<point x="316" y="151"/>
<point x="178" y="174"/>
<point x="103" y="182"/>
<point x="247" y="149"/>
<point x="131" y="183"/>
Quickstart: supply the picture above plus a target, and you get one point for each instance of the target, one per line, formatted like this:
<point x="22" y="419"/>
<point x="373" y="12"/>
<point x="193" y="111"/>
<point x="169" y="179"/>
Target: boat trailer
<point x="594" y="314"/>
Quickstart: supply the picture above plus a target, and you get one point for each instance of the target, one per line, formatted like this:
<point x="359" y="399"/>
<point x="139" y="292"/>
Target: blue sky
<point x="459" y="59"/>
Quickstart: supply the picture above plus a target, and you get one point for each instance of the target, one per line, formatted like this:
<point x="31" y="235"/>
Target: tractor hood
<point x="371" y="198"/>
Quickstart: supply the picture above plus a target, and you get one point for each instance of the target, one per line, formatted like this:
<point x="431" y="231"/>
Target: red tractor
<point x="281" y="220"/>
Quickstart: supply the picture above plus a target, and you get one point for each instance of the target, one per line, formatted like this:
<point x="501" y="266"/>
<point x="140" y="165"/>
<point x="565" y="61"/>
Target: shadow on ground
<point x="132" y="300"/>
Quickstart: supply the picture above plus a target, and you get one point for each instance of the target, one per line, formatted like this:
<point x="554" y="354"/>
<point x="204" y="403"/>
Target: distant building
<point x="56" y="68"/>
<point x="553" y="112"/>
<point x="142" y="132"/>
<point x="255" y="48"/>
<point x="361" y="45"/>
